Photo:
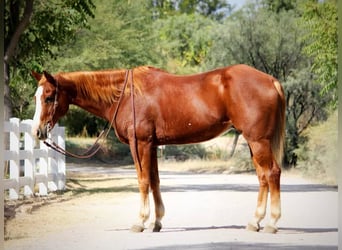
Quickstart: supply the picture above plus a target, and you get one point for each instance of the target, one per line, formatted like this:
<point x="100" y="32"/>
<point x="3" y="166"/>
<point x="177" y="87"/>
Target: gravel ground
<point x="203" y="211"/>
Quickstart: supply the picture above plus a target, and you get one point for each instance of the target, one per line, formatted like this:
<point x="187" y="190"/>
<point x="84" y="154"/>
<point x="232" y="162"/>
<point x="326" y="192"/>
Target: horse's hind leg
<point x="274" y="186"/>
<point x="260" y="212"/>
<point x="268" y="173"/>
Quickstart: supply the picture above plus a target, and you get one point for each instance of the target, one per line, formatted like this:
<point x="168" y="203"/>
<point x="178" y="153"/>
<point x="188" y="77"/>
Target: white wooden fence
<point x="33" y="167"/>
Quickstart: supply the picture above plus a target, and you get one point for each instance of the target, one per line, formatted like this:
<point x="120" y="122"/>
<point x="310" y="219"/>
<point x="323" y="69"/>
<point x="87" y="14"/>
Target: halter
<point x="91" y="152"/>
<point x="55" y="104"/>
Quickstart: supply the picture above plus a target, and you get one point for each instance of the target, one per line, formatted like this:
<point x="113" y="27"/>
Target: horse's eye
<point x="49" y="99"/>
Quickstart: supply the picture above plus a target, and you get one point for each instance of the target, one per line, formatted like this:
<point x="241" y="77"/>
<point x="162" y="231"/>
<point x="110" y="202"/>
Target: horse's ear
<point x="50" y="78"/>
<point x="36" y="75"/>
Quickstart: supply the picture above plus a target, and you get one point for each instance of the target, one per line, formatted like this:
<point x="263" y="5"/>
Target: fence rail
<point x="32" y="166"/>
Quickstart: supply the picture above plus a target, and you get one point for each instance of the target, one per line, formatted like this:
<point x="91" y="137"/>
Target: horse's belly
<point x="190" y="132"/>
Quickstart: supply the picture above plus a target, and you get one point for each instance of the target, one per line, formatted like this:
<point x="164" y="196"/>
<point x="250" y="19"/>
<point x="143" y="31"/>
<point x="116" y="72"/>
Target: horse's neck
<point x="96" y="92"/>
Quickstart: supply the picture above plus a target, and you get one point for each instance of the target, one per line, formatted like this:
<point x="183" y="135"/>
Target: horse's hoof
<point x="253" y="227"/>
<point x="155" y="227"/>
<point x="270" y="229"/>
<point x="137" y="229"/>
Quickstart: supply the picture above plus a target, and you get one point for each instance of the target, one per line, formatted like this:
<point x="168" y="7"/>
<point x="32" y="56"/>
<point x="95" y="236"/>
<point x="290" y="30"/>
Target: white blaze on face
<point x="36" y="117"/>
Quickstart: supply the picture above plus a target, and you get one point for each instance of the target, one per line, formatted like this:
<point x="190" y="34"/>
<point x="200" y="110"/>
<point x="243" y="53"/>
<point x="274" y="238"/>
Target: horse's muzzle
<point x="42" y="132"/>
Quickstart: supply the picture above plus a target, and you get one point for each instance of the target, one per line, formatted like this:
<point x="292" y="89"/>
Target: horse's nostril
<point x="39" y="134"/>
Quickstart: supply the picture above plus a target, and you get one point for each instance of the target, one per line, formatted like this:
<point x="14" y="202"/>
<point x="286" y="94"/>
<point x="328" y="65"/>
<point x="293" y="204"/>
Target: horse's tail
<point x="278" y="139"/>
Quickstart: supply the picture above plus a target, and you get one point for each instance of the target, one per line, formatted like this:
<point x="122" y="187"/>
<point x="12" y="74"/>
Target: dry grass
<point x="318" y="159"/>
<point x="83" y="141"/>
<point x="197" y="166"/>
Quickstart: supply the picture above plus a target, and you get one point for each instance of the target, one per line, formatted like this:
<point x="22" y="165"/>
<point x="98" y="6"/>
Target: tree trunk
<point x="10" y="50"/>
<point x="7" y="97"/>
<point x="236" y="138"/>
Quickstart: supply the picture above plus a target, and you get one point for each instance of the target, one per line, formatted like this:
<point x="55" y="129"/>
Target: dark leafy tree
<point x="184" y="40"/>
<point x="214" y="9"/>
<point x="121" y="36"/>
<point x="320" y="19"/>
<point x="34" y="30"/>
<point x="253" y="36"/>
<point x="304" y="107"/>
<point x="280" y="5"/>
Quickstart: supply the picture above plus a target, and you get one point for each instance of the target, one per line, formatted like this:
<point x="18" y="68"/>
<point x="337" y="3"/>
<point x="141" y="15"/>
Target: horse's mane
<point x="102" y="86"/>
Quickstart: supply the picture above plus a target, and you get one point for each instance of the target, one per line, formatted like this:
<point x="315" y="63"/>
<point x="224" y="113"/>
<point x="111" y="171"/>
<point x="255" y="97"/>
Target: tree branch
<point x="24" y="22"/>
<point x="305" y="126"/>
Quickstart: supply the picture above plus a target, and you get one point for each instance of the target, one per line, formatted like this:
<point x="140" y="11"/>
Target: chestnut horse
<point x="159" y="108"/>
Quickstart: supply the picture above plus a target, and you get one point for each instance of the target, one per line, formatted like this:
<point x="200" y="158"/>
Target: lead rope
<point x="135" y="145"/>
<point x="88" y="153"/>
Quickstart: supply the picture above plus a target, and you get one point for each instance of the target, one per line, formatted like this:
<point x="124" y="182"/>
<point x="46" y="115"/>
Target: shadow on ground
<point x="242" y="246"/>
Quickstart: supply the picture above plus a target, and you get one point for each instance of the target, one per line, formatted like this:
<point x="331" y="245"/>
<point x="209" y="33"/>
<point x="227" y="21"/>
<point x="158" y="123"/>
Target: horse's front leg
<point x="140" y="154"/>
<point x="156" y="226"/>
<point x="144" y="213"/>
<point x="147" y="170"/>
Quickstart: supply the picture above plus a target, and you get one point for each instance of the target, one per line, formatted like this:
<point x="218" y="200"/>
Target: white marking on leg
<point x="145" y="209"/>
<point x="38" y="111"/>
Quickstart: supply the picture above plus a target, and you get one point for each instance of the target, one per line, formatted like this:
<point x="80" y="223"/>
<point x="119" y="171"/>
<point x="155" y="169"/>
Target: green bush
<point x="80" y="123"/>
<point x="184" y="152"/>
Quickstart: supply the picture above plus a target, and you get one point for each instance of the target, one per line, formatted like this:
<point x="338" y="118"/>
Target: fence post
<point x="43" y="170"/>
<point x="52" y="163"/>
<point x="61" y="159"/>
<point x="57" y="161"/>
<point x="29" y="143"/>
<point x="15" y="163"/>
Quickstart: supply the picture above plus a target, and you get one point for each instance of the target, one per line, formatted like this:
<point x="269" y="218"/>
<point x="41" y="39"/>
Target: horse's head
<point x="52" y="102"/>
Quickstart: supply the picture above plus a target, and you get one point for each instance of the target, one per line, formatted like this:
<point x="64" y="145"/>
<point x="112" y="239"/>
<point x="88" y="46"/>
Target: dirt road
<point x="203" y="211"/>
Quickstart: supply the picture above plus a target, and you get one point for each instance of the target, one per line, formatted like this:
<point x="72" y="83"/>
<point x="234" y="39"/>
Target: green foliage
<point x="21" y="95"/>
<point x="184" y="152"/>
<point x="112" y="150"/>
<point x="320" y="18"/>
<point x="213" y="9"/>
<point x="185" y="39"/>
<point x="79" y="123"/>
<point x="117" y="150"/>
<point x="121" y="36"/>
<point x="303" y="108"/>
<point x="242" y="39"/>
<point x="280" y="5"/>
<point x="53" y="23"/>
<point x="162" y="8"/>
